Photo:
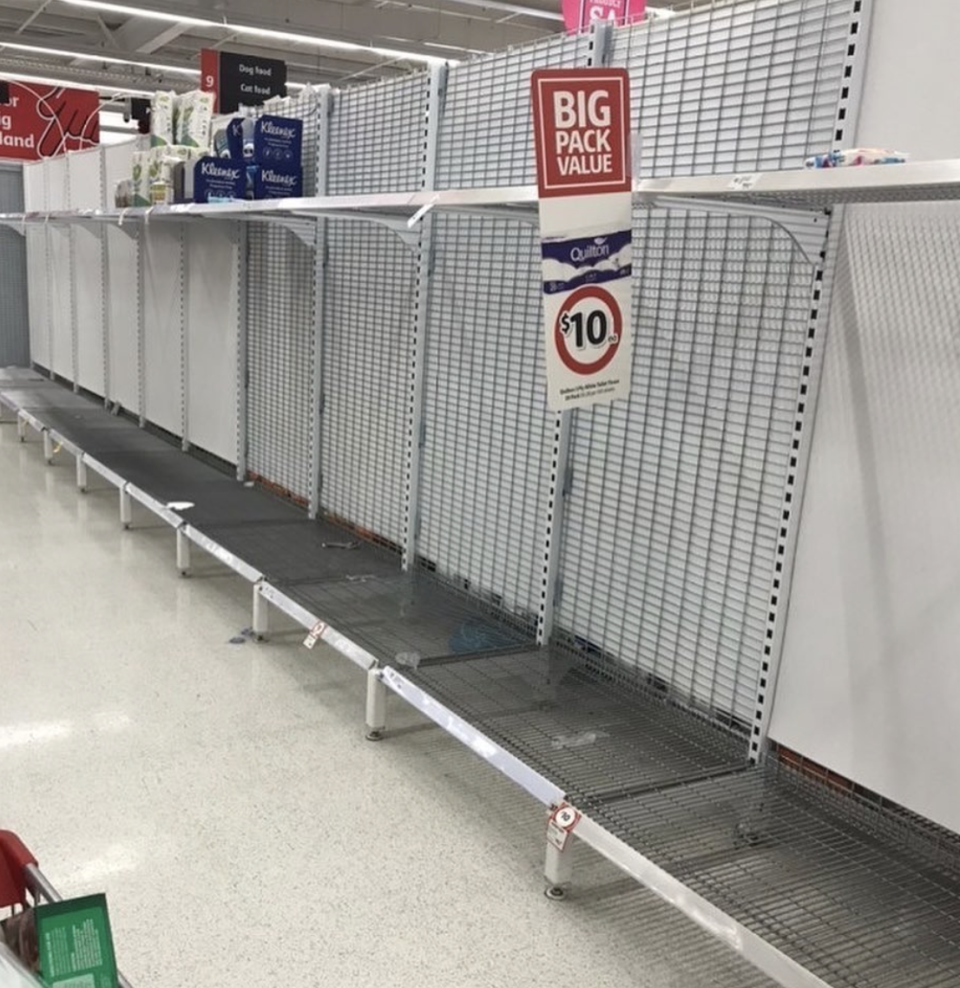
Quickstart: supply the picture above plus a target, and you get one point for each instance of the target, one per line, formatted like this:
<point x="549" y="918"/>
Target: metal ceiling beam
<point x="41" y="7"/>
<point x="516" y="9"/>
<point x="437" y="21"/>
<point x="147" y="36"/>
<point x="331" y="70"/>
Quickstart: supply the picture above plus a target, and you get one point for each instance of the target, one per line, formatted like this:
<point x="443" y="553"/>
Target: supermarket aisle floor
<point x="225" y="799"/>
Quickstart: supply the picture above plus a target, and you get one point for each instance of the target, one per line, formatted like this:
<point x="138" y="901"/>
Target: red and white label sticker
<point x="316" y="633"/>
<point x="561" y="824"/>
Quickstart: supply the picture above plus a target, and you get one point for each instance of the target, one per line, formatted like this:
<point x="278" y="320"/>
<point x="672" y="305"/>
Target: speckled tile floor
<point x="225" y="799"/>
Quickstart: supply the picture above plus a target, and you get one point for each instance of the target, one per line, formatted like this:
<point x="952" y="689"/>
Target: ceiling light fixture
<point x="43" y="80"/>
<point x="105" y="57"/>
<point x="90" y="57"/>
<point x="245" y="30"/>
<point x="153" y="15"/>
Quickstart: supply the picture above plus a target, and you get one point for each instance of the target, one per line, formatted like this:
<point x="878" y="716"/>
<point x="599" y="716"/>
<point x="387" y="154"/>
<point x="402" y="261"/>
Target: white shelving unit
<point x="803" y="195"/>
<point x="804" y="190"/>
<point x="655" y="536"/>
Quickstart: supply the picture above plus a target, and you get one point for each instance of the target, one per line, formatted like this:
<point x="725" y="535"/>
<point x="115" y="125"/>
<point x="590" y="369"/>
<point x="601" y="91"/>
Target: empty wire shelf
<point x="298" y="550"/>
<point x="843" y="887"/>
<point x="577" y="728"/>
<point x="410" y="615"/>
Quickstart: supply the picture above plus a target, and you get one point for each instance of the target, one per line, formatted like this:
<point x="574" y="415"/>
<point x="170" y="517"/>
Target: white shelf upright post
<point x="183" y="551"/>
<point x="126" y="507"/>
<point x="416" y="436"/>
<point x="323" y="109"/>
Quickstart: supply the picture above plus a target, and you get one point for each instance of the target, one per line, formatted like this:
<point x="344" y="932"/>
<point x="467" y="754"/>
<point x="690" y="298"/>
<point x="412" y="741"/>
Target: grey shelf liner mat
<point x="844" y="885"/>
<point x="841" y="884"/>
<point x="299" y="550"/>
<point x="408" y="613"/>
<point x="583" y="732"/>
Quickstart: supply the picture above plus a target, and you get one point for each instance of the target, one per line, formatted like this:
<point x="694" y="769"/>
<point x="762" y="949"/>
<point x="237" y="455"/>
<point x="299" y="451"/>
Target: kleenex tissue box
<point x="218" y="178"/>
<point x="278" y="141"/>
<point x="228" y="137"/>
<point x="277" y="181"/>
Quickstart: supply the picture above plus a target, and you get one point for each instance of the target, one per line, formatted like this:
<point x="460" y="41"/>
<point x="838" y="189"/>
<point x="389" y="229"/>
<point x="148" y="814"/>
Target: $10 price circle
<point x="588" y="330"/>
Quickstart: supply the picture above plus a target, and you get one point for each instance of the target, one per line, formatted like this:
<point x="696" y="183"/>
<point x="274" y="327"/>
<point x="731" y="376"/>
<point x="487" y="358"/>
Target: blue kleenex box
<point x="228" y="137"/>
<point x="277" y="182"/>
<point x="277" y="141"/>
<point x="218" y="178"/>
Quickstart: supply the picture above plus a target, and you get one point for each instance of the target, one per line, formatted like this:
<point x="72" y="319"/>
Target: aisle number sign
<point x="582" y="133"/>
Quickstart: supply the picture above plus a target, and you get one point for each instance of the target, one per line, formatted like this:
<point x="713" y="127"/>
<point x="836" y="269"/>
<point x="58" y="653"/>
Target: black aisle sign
<point x="249" y="81"/>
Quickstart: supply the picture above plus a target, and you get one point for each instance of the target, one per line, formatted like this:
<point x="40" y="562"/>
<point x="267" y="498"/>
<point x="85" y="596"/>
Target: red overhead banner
<point x="578" y="15"/>
<point x="42" y="121"/>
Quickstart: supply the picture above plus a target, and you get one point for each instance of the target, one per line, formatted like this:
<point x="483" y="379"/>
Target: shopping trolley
<point x="23" y="884"/>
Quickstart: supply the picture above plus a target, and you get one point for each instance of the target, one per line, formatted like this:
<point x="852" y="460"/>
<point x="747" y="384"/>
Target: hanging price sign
<point x="581" y="121"/>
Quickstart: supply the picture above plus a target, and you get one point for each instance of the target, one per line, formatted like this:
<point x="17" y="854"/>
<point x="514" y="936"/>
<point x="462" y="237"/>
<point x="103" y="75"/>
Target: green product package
<point x="76" y="946"/>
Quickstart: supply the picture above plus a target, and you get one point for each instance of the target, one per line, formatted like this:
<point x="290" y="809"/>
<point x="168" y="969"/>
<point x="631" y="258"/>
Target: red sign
<point x="581" y="123"/>
<point x="578" y="15"/>
<point x="42" y="121"/>
<point x="210" y="75"/>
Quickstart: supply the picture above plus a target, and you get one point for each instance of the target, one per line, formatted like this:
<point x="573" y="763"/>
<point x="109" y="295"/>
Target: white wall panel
<point x="670" y="536"/>
<point x="117" y="165"/>
<point x="869" y="683"/>
<point x="747" y="85"/>
<point x="85" y="176"/>
<point x="122" y="301"/>
<point x="123" y="319"/>
<point x="14" y="292"/>
<point x="60" y="271"/>
<point x="35" y="198"/>
<point x="211" y="338"/>
<point x="489" y="435"/>
<point x="367" y="351"/>
<point x="486" y="131"/>
<point x="34" y="186"/>
<point x="281" y="332"/>
<point x="163" y="323"/>
<point x="378" y="137"/>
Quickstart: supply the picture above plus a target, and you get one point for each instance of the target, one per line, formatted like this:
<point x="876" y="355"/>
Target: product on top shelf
<point x="274" y="181"/>
<point x="278" y="141"/>
<point x="216" y="179"/>
<point x="228" y="137"/>
<point x="154" y="173"/>
<point x="123" y="194"/>
<point x="193" y="116"/>
<point x="140" y="192"/>
<point x="162" y="130"/>
<point x="851" y="157"/>
<point x="247" y="147"/>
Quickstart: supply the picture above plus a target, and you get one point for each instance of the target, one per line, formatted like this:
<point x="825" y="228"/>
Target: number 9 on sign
<point x="588" y="330"/>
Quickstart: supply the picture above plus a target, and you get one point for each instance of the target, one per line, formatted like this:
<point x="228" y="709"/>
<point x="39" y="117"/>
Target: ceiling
<point x="123" y="46"/>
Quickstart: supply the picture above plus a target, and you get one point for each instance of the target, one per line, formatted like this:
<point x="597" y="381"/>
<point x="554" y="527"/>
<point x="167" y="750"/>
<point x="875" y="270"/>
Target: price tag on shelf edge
<point x="316" y="633"/>
<point x="561" y="824"/>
